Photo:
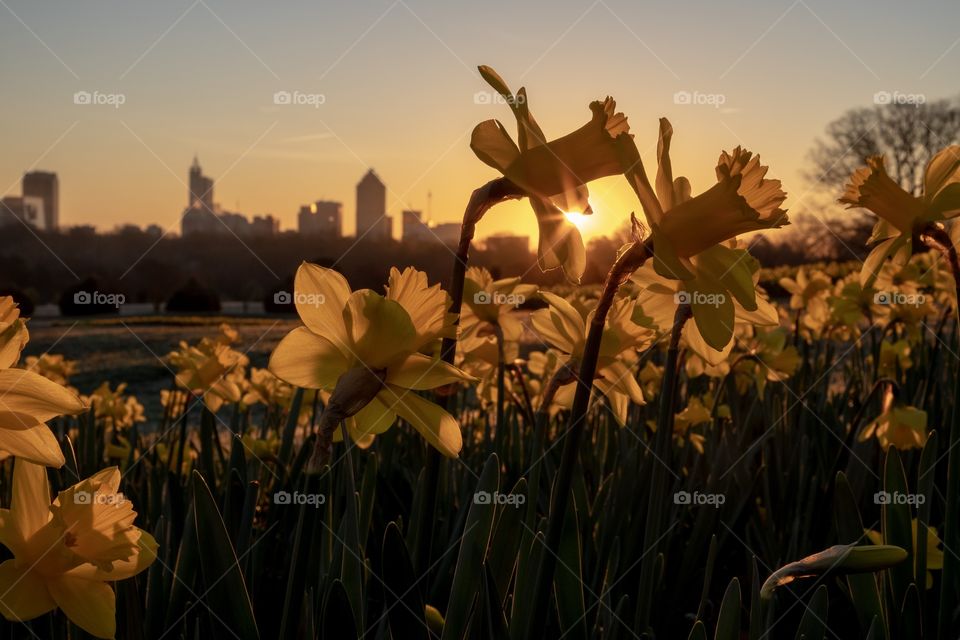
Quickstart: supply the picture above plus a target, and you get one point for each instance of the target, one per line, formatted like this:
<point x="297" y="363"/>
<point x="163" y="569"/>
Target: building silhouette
<point x="415" y="228"/>
<point x="46" y="186"/>
<point x="25" y="209"/>
<point x="200" y="195"/>
<point x="508" y="244"/>
<point x="372" y="220"/>
<point x="204" y="217"/>
<point x="322" y="218"/>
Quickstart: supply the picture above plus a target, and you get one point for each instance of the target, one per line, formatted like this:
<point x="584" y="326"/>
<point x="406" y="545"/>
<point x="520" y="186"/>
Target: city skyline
<point x="290" y="107"/>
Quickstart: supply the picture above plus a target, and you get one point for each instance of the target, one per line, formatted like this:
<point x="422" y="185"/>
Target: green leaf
<point x="813" y="624"/>
<point x="473" y="548"/>
<point x="226" y="592"/>
<point x="338" y="619"/>
<point x="897" y="527"/>
<point x="402" y="595"/>
<point x="728" y="621"/>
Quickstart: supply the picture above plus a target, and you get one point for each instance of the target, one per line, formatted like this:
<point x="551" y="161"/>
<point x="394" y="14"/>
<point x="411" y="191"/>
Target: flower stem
<point x="501" y="386"/>
<point x="661" y="466"/>
<point x="935" y="237"/>
<point x="563" y="376"/>
<point x="629" y="261"/>
<point x="481" y="200"/>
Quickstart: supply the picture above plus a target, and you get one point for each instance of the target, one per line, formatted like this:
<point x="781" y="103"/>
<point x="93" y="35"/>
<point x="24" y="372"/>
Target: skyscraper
<point x="45" y="186"/>
<point x="372" y="220"/>
<point x="201" y="188"/>
<point x="323" y="217"/>
<point x="415" y="228"/>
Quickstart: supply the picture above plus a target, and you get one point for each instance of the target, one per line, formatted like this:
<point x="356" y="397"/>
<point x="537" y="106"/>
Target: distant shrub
<point x="89" y="298"/>
<point x="193" y="297"/>
<point x="22" y="299"/>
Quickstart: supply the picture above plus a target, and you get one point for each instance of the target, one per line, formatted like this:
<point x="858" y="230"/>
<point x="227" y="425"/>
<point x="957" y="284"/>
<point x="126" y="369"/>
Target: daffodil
<point x="119" y="409"/>
<point x="28" y="400"/>
<point x="52" y="366"/>
<point x="564" y="325"/>
<point x="211" y="369"/>
<point x="489" y="304"/>
<point x="934" y="552"/>
<point x="267" y="389"/>
<point x="901" y="215"/>
<point x="66" y="553"/>
<point x="715" y="314"/>
<point x="365" y="349"/>
<point x="805" y="289"/>
<point x="553" y="174"/>
<point x="900" y="426"/>
<point x="479" y="356"/>
<point x="13" y="333"/>
<point x="692" y="235"/>
<point x="894" y="357"/>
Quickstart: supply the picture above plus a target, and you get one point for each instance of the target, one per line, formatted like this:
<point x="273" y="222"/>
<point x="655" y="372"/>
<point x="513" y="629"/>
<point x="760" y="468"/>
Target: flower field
<point x="700" y="448"/>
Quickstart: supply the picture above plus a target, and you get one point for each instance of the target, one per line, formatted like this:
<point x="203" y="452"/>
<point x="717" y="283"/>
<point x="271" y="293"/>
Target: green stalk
<point x="629" y="261"/>
<point x="481" y="200"/>
<point x="541" y="424"/>
<point x="501" y="386"/>
<point x="935" y="237"/>
<point x="658" y="484"/>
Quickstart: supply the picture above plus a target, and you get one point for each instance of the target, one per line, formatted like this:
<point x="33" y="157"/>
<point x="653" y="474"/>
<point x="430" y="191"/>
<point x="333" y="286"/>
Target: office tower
<point x="45" y="186"/>
<point x="372" y="220"/>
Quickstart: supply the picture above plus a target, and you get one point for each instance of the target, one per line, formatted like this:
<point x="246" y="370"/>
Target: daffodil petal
<point x="380" y="329"/>
<point x="30" y="499"/>
<point x="121" y="569"/>
<point x="90" y="604"/>
<point x="307" y="360"/>
<point x="438" y="427"/>
<point x="422" y="372"/>
<point x="23" y="594"/>
<point x="321" y="294"/>
<point x="621" y="379"/>
<point x="493" y="145"/>
<point x="27" y="399"/>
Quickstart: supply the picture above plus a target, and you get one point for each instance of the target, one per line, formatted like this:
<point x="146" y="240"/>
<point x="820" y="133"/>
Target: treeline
<point x="147" y="268"/>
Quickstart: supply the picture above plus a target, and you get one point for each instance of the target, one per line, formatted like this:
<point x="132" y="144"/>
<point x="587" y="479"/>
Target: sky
<point x="392" y="85"/>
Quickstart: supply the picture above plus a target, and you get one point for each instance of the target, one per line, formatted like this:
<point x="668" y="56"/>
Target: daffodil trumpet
<point x="630" y="258"/>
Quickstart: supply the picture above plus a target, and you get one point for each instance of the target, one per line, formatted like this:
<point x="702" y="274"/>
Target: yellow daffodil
<point x="13" y="333"/>
<point x="805" y="289"/>
<point x="28" y="400"/>
<point x="715" y="313"/>
<point x="742" y="201"/>
<point x="479" y="356"/>
<point x="901" y="215"/>
<point x="770" y="359"/>
<point x="489" y="304"/>
<point x="564" y="326"/>
<point x="65" y="553"/>
<point x="211" y="369"/>
<point x="693" y="237"/>
<point x="173" y="401"/>
<point x="934" y="552"/>
<point x="120" y="410"/>
<point x="894" y="358"/>
<point x="553" y="174"/>
<point x="365" y="348"/>
<point x="53" y="367"/>
<point x="267" y="389"/>
<point x="903" y="427"/>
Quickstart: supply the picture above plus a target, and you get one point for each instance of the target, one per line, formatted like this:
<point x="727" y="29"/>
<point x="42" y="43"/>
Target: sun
<point x="581" y="221"/>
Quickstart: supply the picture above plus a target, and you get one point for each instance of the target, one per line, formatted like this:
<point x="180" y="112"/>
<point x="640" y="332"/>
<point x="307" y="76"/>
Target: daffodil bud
<point x="838" y="559"/>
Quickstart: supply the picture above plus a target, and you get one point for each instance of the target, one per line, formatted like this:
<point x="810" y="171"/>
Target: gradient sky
<point x="399" y="80"/>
